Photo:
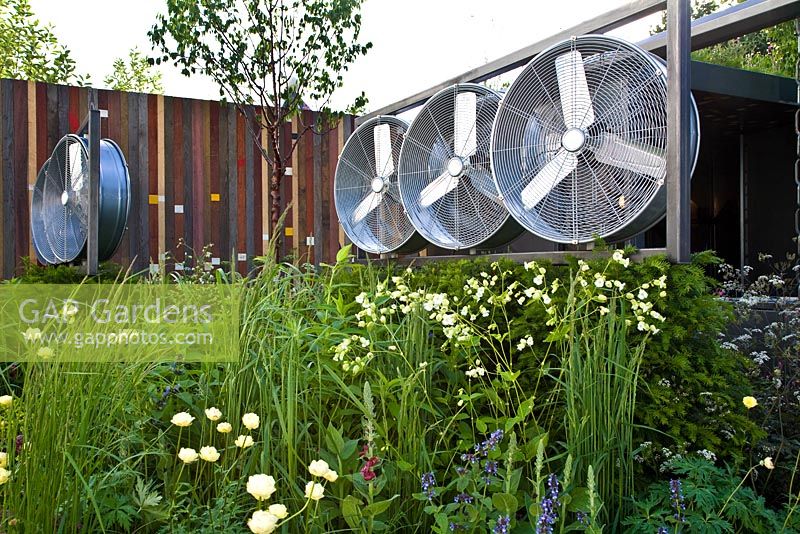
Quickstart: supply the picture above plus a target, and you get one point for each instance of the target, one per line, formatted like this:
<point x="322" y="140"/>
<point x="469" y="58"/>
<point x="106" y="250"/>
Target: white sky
<point x="416" y="43"/>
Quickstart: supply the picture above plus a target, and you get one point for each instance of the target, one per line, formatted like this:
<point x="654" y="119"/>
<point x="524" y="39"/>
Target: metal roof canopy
<point x="747" y="17"/>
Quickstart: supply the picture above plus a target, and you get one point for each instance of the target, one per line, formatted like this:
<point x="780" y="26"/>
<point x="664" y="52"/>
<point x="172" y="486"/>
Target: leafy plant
<point x="706" y="498"/>
<point x="30" y="50"/>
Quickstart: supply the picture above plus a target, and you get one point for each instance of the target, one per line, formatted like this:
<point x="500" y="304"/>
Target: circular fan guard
<point x="365" y="189"/>
<point x="445" y="174"/>
<point x="43" y="250"/>
<point x="60" y="202"/>
<point x="579" y="142"/>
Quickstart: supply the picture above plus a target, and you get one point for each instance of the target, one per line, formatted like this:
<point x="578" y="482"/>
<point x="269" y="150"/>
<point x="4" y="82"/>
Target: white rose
<point x="250" y="421"/>
<point x="187" y="455"/>
<point x="314" y="491"/>
<point x="261" y="487"/>
<point x="262" y="522"/>
<point x="244" y="442"/>
<point x="318" y="468"/>
<point x="182" y="419"/>
<point x="224" y="428"/>
<point x="209" y="454"/>
<point x="213" y="414"/>
<point x="278" y="510"/>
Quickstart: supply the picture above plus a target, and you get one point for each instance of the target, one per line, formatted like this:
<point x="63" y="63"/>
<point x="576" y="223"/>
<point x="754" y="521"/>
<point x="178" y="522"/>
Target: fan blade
<point x="576" y="104"/>
<point x="636" y="157"/>
<point x="384" y="164"/>
<point x="465" y="140"/>
<point x="367" y="205"/>
<point x="482" y="181"/>
<point x="546" y="179"/>
<point x="437" y="189"/>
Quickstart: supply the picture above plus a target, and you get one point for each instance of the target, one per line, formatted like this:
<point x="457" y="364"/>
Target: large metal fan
<point x="579" y="142"/>
<point x="445" y="175"/>
<point x="60" y="203"/>
<point x="365" y="189"/>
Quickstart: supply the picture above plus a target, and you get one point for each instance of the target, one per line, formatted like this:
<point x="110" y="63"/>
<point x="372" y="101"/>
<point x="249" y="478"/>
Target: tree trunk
<point x="275" y="190"/>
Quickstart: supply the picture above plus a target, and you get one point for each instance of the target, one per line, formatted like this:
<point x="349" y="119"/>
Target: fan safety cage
<point x="579" y="141"/>
<point x="365" y="189"/>
<point x="445" y="174"/>
<point x="60" y="202"/>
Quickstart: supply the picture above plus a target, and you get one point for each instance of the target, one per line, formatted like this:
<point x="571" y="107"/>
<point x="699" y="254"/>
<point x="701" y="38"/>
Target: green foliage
<point x="771" y="50"/>
<point x="691" y="391"/>
<point x="715" y="501"/>
<point x="30" y="50"/>
<point x="385" y="374"/>
<point x="32" y="273"/>
<point x="134" y="74"/>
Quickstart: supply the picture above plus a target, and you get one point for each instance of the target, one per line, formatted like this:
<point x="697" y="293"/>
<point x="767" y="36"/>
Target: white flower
<point x="767" y="462"/>
<point x="224" y="428"/>
<point x="188" y="455"/>
<point x="261" y="487"/>
<point x="3" y="459"/>
<point x="262" y="522"/>
<point x="182" y="419"/>
<point x="6" y="400"/>
<point x="475" y="372"/>
<point x="32" y="334"/>
<point x="250" y="421"/>
<point x="45" y="352"/>
<point x="318" y="468"/>
<point x="642" y="294"/>
<point x="209" y="454"/>
<point x="244" y="442"/>
<point x="278" y="510"/>
<point x="314" y="491"/>
<point x="213" y="414"/>
<point x="331" y="476"/>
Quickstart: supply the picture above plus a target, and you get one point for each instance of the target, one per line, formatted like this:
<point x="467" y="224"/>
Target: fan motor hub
<point x="455" y="166"/>
<point x="573" y="139"/>
<point x="377" y="185"/>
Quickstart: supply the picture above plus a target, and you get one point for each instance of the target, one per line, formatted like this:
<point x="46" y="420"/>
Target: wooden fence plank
<point x="169" y="175"/>
<point x="199" y="194"/>
<point x="233" y="194"/>
<point x="6" y="140"/>
<point x="179" y="171"/>
<point x="32" y="166"/>
<point x="142" y="252"/>
<point x="152" y="175"/>
<point x="249" y="196"/>
<point x="241" y="202"/>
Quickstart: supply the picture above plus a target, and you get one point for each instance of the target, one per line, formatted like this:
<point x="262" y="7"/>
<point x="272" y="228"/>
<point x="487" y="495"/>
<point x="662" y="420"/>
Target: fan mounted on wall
<point x="445" y="174"/>
<point x="60" y="201"/>
<point x="579" y="141"/>
<point x="365" y="189"/>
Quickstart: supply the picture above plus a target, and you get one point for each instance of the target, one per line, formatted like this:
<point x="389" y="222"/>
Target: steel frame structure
<point x="682" y="36"/>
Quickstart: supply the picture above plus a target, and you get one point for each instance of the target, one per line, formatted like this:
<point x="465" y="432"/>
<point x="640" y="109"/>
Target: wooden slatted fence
<point x="197" y="175"/>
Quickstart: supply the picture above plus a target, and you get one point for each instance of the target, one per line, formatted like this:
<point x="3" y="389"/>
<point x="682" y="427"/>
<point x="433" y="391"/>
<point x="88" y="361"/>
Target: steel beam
<point x="727" y="24"/>
<point x="555" y="257"/>
<point x="749" y="16"/>
<point x="92" y="237"/>
<point x="629" y="12"/>
<point x="678" y="126"/>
